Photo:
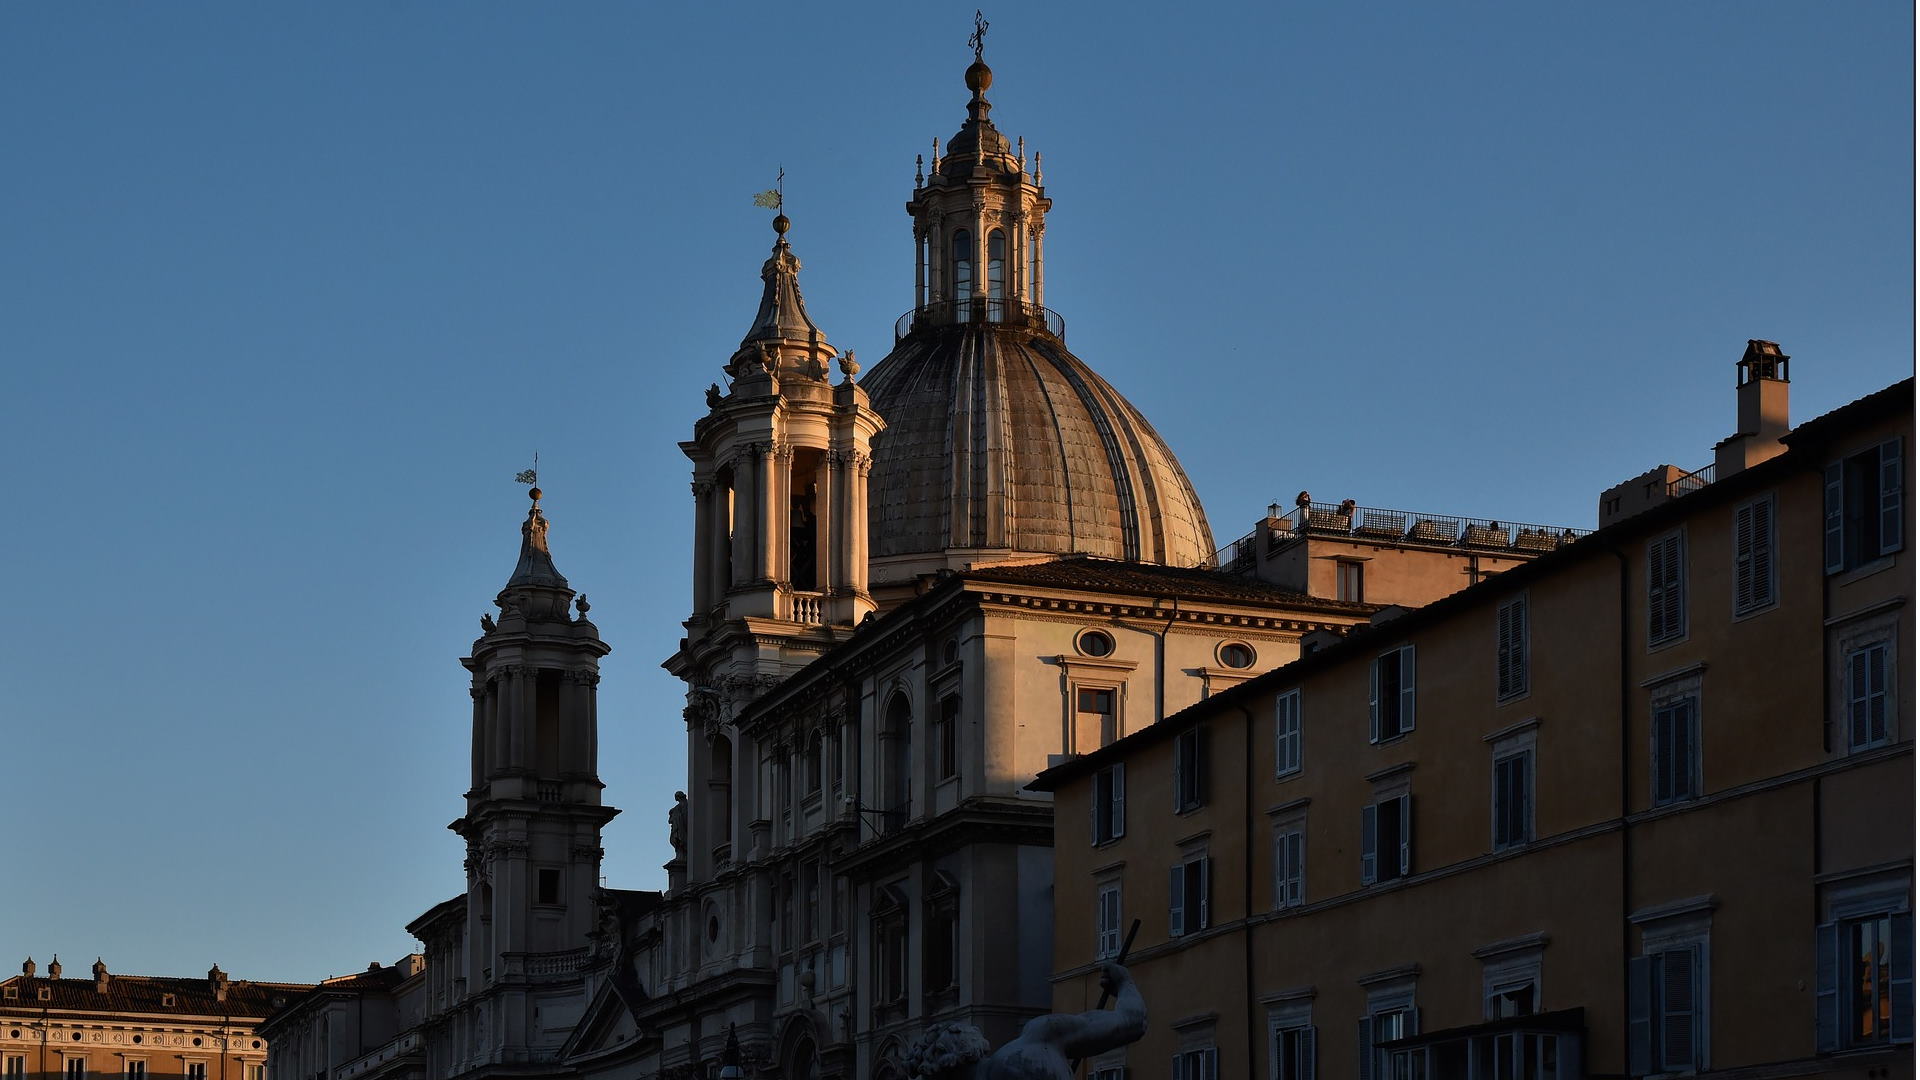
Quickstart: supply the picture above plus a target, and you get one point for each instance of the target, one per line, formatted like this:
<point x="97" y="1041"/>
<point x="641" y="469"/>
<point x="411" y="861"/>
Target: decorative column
<point x="480" y="743"/>
<point x="703" y="552"/>
<point x="826" y="568"/>
<point x="919" y="268"/>
<point x="721" y="552"/>
<point x="767" y="511"/>
<point x="500" y="708"/>
<point x="782" y="532"/>
<point x="746" y="513"/>
<point x="857" y="505"/>
<point x="1039" y="263"/>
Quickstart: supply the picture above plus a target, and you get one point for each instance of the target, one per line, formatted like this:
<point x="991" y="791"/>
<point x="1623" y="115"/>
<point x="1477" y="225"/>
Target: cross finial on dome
<point x="978" y="42"/>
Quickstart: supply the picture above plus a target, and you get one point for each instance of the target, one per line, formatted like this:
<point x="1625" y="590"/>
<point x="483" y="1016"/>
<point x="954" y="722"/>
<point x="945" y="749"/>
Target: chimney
<point x="53" y="969"/>
<point x="100" y="976"/>
<point x="29" y="968"/>
<point x="218" y="980"/>
<point x="1761" y="397"/>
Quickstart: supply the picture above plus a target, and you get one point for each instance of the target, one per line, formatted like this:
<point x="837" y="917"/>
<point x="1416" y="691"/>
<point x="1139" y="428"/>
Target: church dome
<point x="1001" y="443"/>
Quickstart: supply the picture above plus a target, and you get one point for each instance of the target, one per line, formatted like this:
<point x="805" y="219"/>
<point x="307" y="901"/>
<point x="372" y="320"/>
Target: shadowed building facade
<point x="1643" y="806"/>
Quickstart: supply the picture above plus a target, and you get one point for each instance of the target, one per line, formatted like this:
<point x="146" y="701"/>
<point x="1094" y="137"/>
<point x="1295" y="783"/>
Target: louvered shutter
<point x="1200" y="779"/>
<point x="1369" y="837"/>
<point x="1179" y="772"/>
<point x="1373" y="699"/>
<point x="1826" y="987"/>
<point x="1176" y="1068"/>
<point x="1890" y="518"/>
<point x="1363" y="1056"/>
<point x="1877" y="665"/>
<point x="1406" y="835"/>
<point x="1296" y="868"/>
<point x="1835" y="515"/>
<point x="1211" y="1062"/>
<point x="1204" y="869"/>
<point x="1763" y="536"/>
<point x="1857" y="683"/>
<point x="1678" y="993"/>
<point x="1177" y="902"/>
<point x="1743" y="552"/>
<point x="1406" y="689"/>
<point x="1656" y="590"/>
<point x="1119" y="808"/>
<point x="1309" y="1051"/>
<point x="1096" y="805"/>
<point x="1640" y="973"/>
<point x="1903" y="977"/>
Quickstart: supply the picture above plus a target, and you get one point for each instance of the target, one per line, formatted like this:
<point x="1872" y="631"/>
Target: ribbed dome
<point x="1000" y="441"/>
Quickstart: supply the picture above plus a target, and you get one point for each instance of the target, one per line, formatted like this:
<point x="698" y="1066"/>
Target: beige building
<point x="1643" y="806"/>
<point x="135" y="1027"/>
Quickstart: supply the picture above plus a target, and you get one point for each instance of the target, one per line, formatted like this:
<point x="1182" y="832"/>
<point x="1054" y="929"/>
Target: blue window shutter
<point x="1679" y="1021"/>
<point x="1835" y="507"/>
<point x="1640" y="975"/>
<point x="1200" y="765"/>
<point x="1179" y="772"/>
<point x="1119" y="800"/>
<point x="1176" y="906"/>
<point x="1369" y="838"/>
<point x="1308" y="1052"/>
<point x="1890" y="496"/>
<point x="1204" y="868"/>
<point x="1363" y="1055"/>
<point x="1903" y="977"/>
<point x="1763" y="538"/>
<point x="1406" y="835"/>
<point x="1373" y="700"/>
<point x="1094" y="806"/>
<point x="1826" y="987"/>
<point x="1406" y="688"/>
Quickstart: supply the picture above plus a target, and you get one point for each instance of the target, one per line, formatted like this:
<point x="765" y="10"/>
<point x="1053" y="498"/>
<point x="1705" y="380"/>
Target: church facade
<point x="912" y="592"/>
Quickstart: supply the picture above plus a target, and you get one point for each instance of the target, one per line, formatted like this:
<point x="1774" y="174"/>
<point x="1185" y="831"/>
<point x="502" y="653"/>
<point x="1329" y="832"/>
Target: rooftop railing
<point x="1690" y="483"/>
<point x="1006" y="311"/>
<point x="1393" y="526"/>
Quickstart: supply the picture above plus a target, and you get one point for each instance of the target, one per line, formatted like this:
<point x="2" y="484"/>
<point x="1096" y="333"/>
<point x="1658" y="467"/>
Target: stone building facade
<point x="1643" y="806"/>
<point x="135" y="1027"/>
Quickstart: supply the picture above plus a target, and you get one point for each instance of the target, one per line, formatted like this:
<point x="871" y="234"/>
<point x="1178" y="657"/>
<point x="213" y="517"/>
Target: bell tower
<point x="979" y="221"/>
<point x="533" y="818"/>
<point x="780" y="465"/>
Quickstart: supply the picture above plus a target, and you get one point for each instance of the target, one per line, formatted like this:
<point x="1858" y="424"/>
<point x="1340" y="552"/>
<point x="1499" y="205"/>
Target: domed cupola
<point x="1000" y="443"/>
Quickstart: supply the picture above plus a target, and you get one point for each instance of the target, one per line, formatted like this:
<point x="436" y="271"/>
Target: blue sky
<point x="292" y="291"/>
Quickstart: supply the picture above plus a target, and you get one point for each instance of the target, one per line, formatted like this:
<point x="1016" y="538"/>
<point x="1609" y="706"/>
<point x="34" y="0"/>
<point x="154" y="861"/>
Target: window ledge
<point x="1388" y="773"/>
<point x="1285" y="807"/>
<point x="1880" y="564"/>
<point x="1296" y="993"/>
<point x="1675" y="675"/>
<point x="1510" y="730"/>
<point x="1523" y="943"/>
<point x="1399" y="971"/>
<point x="1690" y="906"/>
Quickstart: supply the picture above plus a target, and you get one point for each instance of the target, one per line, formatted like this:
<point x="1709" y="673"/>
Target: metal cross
<point x="979" y="39"/>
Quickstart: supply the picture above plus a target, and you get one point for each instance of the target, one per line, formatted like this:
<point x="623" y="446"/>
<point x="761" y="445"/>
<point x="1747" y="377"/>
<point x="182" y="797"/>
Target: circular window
<point x="1236" y="655"/>
<point x="256" y="1044"/>
<point x="76" y="1036"/>
<point x="713" y="928"/>
<point x="137" y="1038"/>
<point x="1096" y="643"/>
<point x="196" y="1041"/>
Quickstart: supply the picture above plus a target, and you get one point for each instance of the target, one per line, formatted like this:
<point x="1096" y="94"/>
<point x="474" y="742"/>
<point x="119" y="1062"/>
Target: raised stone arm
<point x="1048" y="1044"/>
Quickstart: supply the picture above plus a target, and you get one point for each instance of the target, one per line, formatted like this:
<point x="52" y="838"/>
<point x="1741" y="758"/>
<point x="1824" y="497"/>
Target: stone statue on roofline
<point x="1048" y="1048"/>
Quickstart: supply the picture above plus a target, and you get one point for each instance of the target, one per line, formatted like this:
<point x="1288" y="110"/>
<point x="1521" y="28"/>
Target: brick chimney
<point x="1761" y="396"/>
<point x="29" y="968"/>
<point x="218" y="980"/>
<point x="100" y="976"/>
<point x="53" y="969"/>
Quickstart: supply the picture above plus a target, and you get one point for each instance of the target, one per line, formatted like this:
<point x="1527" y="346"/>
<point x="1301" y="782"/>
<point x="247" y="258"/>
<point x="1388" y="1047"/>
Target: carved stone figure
<point x="1046" y="1049"/>
<point x="713" y="395"/>
<point x="677" y="825"/>
<point x="486" y="623"/>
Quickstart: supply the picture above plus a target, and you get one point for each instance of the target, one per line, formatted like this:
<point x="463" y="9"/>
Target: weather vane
<point x="776" y="199"/>
<point x="978" y="41"/>
<point x="529" y="476"/>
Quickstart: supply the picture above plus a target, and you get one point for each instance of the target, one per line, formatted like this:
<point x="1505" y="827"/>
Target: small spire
<point x="1036" y="168"/>
<point x="783" y="313"/>
<point x="29" y="968"/>
<point x="919" y="178"/>
<point x="536" y="562"/>
<point x="53" y="969"/>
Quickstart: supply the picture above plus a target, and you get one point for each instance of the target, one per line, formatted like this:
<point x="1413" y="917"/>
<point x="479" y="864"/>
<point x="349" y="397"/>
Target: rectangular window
<point x="1663" y="1021"/>
<point x="1351" y="582"/>
<point x="810" y="764"/>
<point x="1290" y="864"/>
<point x="1200" y="1064"/>
<point x="1390" y="708"/>
<point x="1109" y="804"/>
<point x="1863" y="511"/>
<point x="1863" y="971"/>
<point x="1667" y="588"/>
<point x="1676" y="750"/>
<point x="1188" y="906"/>
<point x="1512" y="799"/>
<point x="1868" y="670"/>
<point x="946" y="737"/>
<point x="1386" y="839"/>
<point x="1385" y="1024"/>
<point x="137" y="1069"/>
<point x="196" y="1070"/>
<point x="1190" y="769"/>
<point x="256" y="1072"/>
<point x="1109" y="1072"/>
<point x="1754" y="584"/>
<point x="547" y="886"/>
<point x="1511" y="1000"/>
<point x="1293" y="1052"/>
<point x="1286" y="733"/>
<point x="15" y="1067"/>
<point x="1510" y="646"/>
<point x="77" y="1069"/>
<point x="1107" y="937"/>
<point x="810" y="900"/>
<point x="1094" y="704"/>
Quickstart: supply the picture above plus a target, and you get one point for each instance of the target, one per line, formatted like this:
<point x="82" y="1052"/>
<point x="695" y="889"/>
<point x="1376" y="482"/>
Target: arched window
<point x="896" y="756"/>
<point x="962" y="268"/>
<point x="997" y="265"/>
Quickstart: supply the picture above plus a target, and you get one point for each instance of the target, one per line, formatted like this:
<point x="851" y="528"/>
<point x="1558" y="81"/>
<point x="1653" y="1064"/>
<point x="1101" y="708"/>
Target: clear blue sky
<point x="291" y="292"/>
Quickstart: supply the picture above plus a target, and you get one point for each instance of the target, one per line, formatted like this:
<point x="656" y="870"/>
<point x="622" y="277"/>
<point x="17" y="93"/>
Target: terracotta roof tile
<point x="1145" y="579"/>
<point x="149" y="994"/>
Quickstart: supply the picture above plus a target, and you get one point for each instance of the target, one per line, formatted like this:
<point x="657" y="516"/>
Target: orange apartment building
<point x="135" y="1027"/>
<point x="1642" y="806"/>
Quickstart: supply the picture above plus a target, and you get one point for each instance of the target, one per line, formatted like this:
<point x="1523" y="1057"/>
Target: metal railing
<point x="1393" y="526"/>
<point x="1007" y="311"/>
<point x="1690" y="483"/>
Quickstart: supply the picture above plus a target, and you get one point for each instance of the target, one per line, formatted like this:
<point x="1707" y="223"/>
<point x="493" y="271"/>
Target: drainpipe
<point x="1160" y="660"/>
<point x="1246" y="875"/>
<point x="1626" y="831"/>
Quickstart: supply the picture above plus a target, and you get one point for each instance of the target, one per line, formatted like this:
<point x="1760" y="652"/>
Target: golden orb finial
<point x="534" y="494"/>
<point x="781" y="224"/>
<point x="979" y="77"/>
